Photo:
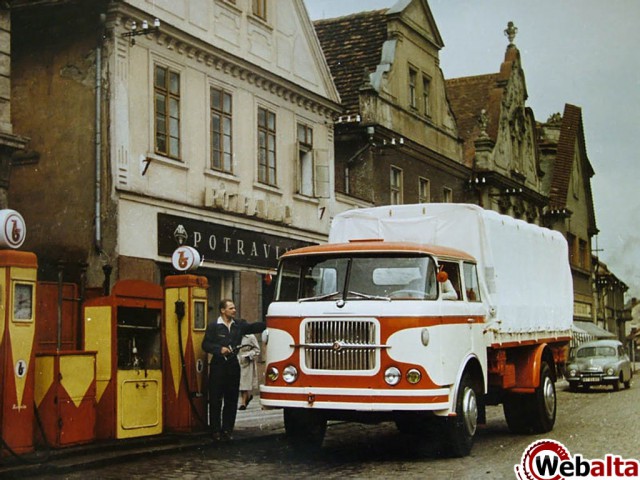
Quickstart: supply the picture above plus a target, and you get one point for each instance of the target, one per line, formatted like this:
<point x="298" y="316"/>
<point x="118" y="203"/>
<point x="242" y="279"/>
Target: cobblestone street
<point x="590" y="423"/>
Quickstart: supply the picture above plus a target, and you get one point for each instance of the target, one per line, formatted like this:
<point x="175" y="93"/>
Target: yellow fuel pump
<point x="124" y="329"/>
<point x="185" y="361"/>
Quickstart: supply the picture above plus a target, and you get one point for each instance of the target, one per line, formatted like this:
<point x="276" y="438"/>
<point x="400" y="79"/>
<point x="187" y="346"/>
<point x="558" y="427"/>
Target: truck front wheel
<point x="461" y="429"/>
<point x="304" y="428"/>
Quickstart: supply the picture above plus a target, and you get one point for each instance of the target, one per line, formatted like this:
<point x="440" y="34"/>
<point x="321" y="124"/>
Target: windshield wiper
<point x="318" y="297"/>
<point x="368" y="297"/>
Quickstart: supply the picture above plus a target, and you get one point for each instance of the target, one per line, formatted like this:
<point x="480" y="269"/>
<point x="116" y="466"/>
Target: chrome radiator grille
<point x="340" y="344"/>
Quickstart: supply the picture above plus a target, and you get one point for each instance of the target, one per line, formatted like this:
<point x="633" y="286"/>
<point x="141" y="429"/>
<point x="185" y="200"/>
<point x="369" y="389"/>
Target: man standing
<point x="221" y="340"/>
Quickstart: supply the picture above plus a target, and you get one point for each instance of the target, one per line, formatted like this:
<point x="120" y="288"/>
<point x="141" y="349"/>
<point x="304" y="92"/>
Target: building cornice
<point x="183" y="44"/>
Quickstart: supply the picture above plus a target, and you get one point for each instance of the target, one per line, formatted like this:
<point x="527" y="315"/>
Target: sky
<point x="582" y="52"/>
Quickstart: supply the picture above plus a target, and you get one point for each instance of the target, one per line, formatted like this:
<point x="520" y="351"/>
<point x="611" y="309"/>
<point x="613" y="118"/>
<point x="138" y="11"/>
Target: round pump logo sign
<point x="185" y="258"/>
<point x="12" y="229"/>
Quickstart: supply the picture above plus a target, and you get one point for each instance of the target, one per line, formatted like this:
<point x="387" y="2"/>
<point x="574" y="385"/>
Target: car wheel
<point x="616" y="385"/>
<point x="573" y="386"/>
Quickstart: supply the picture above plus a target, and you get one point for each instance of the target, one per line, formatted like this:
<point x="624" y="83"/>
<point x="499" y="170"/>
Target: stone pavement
<point x="252" y="423"/>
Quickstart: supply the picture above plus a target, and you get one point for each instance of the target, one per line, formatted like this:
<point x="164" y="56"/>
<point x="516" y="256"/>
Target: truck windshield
<point x="380" y="277"/>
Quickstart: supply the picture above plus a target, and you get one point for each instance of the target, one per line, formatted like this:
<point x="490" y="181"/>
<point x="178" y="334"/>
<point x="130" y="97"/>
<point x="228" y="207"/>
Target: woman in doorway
<point x="248" y="356"/>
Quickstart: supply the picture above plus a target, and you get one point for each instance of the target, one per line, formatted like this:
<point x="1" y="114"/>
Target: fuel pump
<point x="18" y="276"/>
<point x="124" y="329"/>
<point x="185" y="361"/>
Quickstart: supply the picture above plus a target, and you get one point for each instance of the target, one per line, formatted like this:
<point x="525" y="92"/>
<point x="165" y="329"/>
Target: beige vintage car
<point x="600" y="362"/>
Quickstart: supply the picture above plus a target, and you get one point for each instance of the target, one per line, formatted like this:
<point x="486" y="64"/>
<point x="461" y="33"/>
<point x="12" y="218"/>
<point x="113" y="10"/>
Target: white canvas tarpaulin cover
<point x="525" y="276"/>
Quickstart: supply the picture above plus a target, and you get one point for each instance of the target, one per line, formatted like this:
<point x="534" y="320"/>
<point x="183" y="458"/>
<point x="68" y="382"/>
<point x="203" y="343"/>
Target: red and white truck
<point x="422" y="315"/>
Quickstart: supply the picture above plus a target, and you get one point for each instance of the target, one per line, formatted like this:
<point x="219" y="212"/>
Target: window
<point x="413" y="78"/>
<point x="396" y="186"/>
<point x="583" y="257"/>
<point x="450" y="288"/>
<point x="447" y="195"/>
<point x="471" y="285"/>
<point x="424" y="190"/>
<point x="221" y="138"/>
<point x="426" y="91"/>
<point x="571" y="243"/>
<point x="305" y="160"/>
<point x="260" y="9"/>
<point x="266" y="147"/>
<point x="167" y="112"/>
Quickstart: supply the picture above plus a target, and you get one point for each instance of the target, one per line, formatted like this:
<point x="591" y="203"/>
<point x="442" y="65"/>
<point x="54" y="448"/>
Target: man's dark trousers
<point x="224" y="384"/>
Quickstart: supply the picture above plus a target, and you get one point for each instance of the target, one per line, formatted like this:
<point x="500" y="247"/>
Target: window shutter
<point x="322" y="178"/>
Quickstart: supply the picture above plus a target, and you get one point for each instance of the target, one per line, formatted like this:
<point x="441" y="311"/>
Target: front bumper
<point x="360" y="399"/>
<point x="591" y="378"/>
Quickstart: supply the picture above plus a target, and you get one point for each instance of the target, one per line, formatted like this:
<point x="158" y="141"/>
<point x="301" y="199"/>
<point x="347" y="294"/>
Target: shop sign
<point x="222" y="243"/>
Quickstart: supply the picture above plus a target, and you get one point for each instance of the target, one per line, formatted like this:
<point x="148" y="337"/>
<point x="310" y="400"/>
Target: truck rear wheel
<point x="304" y="428"/>
<point x="536" y="412"/>
<point x="461" y="429"/>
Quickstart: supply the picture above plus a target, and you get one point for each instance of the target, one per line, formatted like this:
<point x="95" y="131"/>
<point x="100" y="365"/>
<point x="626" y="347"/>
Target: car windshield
<point x="596" y="352"/>
<point x="356" y="277"/>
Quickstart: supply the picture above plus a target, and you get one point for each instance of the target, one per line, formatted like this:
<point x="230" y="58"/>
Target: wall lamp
<point x="508" y="192"/>
<point x="144" y="30"/>
<point x="393" y="141"/>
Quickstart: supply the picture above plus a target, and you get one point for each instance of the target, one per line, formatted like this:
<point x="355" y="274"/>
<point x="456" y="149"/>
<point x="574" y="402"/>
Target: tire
<point x="515" y="413"/>
<point x="536" y="412"/>
<point x="305" y="429"/>
<point x="544" y="402"/>
<point x="616" y="385"/>
<point x="573" y="386"/>
<point x="461" y="429"/>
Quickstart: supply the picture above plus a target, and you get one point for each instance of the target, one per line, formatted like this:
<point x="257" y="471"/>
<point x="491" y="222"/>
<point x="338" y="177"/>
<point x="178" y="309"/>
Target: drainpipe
<point x="98" y="142"/>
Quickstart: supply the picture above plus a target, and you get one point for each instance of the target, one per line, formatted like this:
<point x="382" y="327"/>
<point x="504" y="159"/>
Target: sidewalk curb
<point x="99" y="454"/>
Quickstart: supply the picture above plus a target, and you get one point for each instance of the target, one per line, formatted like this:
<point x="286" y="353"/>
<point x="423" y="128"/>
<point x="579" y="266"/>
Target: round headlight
<point x="414" y="376"/>
<point x="272" y="374"/>
<point x="392" y="375"/>
<point x="572" y="373"/>
<point x="290" y="374"/>
<point x="610" y="371"/>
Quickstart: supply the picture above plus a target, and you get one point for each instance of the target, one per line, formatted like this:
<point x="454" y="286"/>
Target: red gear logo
<point x="527" y="470"/>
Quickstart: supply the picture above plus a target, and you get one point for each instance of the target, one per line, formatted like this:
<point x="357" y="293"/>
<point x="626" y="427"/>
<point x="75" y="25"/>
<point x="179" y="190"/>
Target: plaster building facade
<point x="155" y="123"/>
<point x="396" y="140"/>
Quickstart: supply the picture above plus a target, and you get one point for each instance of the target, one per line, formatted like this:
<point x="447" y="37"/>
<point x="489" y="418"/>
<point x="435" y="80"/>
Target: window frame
<point x="447" y="195"/>
<point x="304" y="142"/>
<point x="259" y="9"/>
<point x="169" y="95"/>
<point x="426" y="95"/>
<point x="267" y="170"/>
<point x="422" y="198"/>
<point x="396" y="189"/>
<point x="413" y="86"/>
<point x="221" y="152"/>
